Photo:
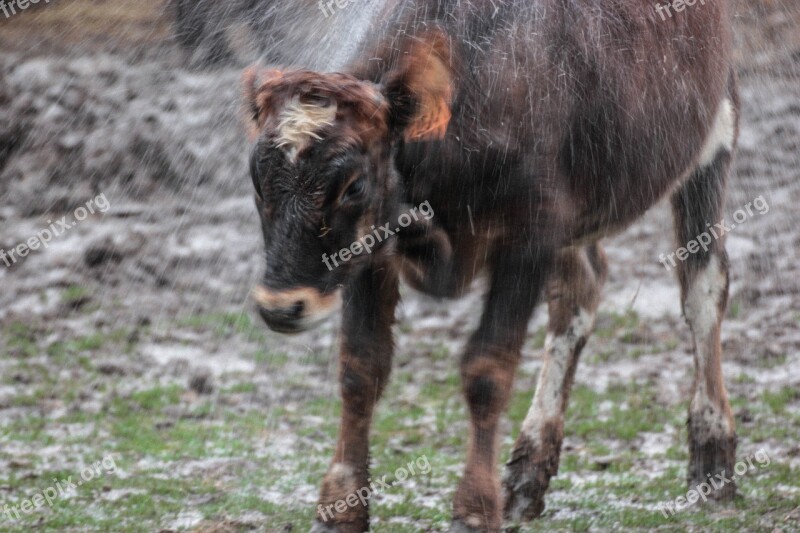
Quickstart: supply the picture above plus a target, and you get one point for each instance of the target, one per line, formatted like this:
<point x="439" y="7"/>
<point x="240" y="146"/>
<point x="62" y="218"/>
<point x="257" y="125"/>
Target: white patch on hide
<point x="300" y="123"/>
<point x="701" y="306"/>
<point x="722" y="135"/>
<point x="558" y="351"/>
<point x="702" y="312"/>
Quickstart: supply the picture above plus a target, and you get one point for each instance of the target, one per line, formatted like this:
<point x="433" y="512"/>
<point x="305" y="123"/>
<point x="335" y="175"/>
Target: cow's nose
<point x="284" y="319"/>
<point x="294" y="310"/>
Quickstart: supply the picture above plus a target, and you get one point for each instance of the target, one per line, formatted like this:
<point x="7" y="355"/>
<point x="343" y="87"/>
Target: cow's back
<point x="584" y="111"/>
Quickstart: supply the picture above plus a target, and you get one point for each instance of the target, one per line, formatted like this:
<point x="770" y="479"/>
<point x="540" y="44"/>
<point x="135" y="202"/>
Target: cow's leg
<point x="703" y="277"/>
<point x="364" y="365"/>
<point x="573" y="291"/>
<point x="487" y="371"/>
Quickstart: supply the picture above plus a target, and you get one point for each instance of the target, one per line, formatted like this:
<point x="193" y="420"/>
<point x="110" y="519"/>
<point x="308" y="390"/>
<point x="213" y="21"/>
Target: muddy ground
<point x="131" y="336"/>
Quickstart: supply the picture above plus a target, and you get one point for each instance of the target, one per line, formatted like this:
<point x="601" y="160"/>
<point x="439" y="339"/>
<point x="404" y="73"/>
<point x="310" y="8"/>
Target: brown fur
<point x="360" y="106"/>
<point x="487" y="380"/>
<point x="428" y="75"/>
<point x="363" y="372"/>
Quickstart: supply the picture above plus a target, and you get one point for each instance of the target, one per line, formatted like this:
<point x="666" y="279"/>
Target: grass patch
<point x="230" y="455"/>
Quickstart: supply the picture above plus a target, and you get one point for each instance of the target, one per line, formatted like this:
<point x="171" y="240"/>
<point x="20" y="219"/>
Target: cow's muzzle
<point x="295" y="310"/>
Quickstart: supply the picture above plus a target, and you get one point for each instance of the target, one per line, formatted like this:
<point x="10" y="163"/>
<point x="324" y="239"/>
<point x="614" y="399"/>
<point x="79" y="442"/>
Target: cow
<point x="533" y="129"/>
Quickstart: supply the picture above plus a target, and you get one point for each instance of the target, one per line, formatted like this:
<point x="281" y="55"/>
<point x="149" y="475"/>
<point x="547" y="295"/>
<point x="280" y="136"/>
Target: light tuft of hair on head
<point x="300" y="123"/>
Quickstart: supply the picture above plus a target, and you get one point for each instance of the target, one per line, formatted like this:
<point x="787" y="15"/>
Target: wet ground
<point x="130" y="335"/>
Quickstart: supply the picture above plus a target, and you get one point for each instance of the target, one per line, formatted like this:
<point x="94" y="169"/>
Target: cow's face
<point x="323" y="175"/>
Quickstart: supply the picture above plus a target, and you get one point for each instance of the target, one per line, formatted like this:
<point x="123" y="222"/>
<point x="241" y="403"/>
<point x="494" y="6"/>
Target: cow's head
<point x="322" y="168"/>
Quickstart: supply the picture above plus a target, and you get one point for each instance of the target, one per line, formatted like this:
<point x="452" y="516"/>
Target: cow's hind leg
<point x="364" y="365"/>
<point x="573" y="295"/>
<point x="703" y="277"/>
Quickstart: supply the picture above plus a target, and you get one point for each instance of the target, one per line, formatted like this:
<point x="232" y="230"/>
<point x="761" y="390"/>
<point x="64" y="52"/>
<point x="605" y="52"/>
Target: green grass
<point x="21" y="340"/>
<point x="226" y="325"/>
<point x="610" y="326"/>
<point x="216" y="456"/>
<point x="778" y="400"/>
<point x="75" y="295"/>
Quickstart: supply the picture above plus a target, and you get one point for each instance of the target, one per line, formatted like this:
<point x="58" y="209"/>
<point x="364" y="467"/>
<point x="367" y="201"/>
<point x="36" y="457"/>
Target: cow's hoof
<point x="520" y="507"/>
<point x="341" y="527"/>
<point x="711" y="468"/>
<point x="460" y="527"/>
<point x="319" y="527"/>
<point x="525" y="482"/>
<point x="713" y="489"/>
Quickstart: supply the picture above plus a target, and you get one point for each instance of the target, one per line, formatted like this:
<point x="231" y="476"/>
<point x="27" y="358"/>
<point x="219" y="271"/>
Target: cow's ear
<point x="420" y="88"/>
<point x="256" y="98"/>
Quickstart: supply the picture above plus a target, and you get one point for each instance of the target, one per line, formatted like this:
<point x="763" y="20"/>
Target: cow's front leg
<point x="364" y="364"/>
<point x="487" y="371"/>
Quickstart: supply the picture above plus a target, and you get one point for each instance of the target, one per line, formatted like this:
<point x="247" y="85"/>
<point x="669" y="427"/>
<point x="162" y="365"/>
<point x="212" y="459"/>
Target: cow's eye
<point x="355" y="191"/>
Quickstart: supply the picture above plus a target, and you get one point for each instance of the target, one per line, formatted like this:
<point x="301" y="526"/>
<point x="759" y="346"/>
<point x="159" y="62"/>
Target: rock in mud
<point x="202" y="381"/>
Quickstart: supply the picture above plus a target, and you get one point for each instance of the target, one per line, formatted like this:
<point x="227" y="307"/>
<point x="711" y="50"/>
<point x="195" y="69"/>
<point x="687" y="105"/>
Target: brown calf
<point x="533" y="128"/>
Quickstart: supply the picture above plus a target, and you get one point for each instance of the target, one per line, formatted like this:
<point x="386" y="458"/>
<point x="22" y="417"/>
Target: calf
<point x="533" y="129"/>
